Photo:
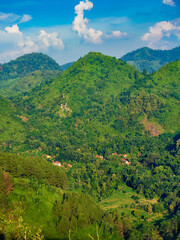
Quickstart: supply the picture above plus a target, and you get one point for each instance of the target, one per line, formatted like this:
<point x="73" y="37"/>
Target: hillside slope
<point x="66" y="66"/>
<point x="75" y="104"/>
<point x="12" y="130"/>
<point x="115" y="134"/>
<point x="100" y="104"/>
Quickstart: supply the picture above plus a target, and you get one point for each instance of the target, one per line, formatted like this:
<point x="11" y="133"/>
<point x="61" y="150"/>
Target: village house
<point x="128" y="163"/>
<point x="57" y="164"/>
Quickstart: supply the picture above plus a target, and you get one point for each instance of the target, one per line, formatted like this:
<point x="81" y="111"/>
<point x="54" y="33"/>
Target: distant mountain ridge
<point x="66" y="66"/>
<point x="151" y="60"/>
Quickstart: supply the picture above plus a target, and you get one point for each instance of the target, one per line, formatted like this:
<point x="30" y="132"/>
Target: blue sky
<point x="69" y="29"/>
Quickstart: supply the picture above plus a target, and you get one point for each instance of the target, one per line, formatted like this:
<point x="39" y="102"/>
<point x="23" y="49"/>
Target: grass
<point x="127" y="201"/>
<point x="122" y="197"/>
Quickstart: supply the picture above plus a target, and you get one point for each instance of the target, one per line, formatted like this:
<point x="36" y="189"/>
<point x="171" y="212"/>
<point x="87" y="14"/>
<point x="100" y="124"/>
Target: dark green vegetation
<point x="97" y="110"/>
<point x="151" y="60"/>
<point x="26" y="72"/>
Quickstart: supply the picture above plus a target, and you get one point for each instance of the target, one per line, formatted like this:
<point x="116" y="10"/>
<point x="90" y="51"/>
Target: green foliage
<point x="26" y="64"/>
<point x="12" y="131"/>
<point x="37" y="168"/>
<point x="22" y="85"/>
<point x="75" y="210"/>
<point x="97" y="110"/>
<point x="65" y="118"/>
<point x="14" y="227"/>
<point x="3" y="191"/>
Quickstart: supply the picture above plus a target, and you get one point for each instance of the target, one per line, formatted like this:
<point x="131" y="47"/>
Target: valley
<point x="91" y="150"/>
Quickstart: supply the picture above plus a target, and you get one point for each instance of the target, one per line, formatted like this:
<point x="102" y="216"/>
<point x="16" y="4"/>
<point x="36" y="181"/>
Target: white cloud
<point x="47" y="40"/>
<point x="27" y="45"/>
<point x="80" y="23"/>
<point x="169" y="2"/>
<point x="116" y="34"/>
<point x="9" y="55"/>
<point x="13" y="30"/>
<point x="160" y="30"/>
<point x="25" y="18"/>
<point x="15" y="43"/>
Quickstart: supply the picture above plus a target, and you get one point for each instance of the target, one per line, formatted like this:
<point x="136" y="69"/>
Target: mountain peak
<point x="38" y="61"/>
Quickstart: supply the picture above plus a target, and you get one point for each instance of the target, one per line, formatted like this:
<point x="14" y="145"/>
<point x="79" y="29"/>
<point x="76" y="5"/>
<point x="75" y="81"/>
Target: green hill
<point x="157" y="98"/>
<point x="151" y="60"/>
<point x="26" y="72"/>
<point x="26" y="64"/>
<point x="115" y="132"/>
<point x="79" y="104"/>
<point x="100" y="105"/>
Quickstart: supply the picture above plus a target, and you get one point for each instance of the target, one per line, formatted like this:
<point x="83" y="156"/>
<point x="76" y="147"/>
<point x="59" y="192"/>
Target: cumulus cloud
<point x="15" y="43"/>
<point x="25" y="18"/>
<point x="160" y="30"/>
<point x="27" y="45"/>
<point x="42" y="42"/>
<point x="169" y="2"/>
<point x="80" y="25"/>
<point x="47" y="40"/>
<point x="13" y="30"/>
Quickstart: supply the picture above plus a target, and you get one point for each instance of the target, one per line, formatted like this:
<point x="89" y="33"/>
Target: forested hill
<point x="98" y="105"/>
<point x="151" y="60"/>
<point x="113" y="134"/>
<point x="26" y="72"/>
<point x="26" y="64"/>
<point x="78" y="103"/>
